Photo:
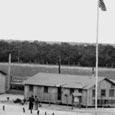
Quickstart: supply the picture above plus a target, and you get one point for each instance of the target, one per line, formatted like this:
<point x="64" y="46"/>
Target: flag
<point x="102" y="5"/>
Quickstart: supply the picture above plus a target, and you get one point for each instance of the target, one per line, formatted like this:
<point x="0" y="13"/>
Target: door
<point x="59" y="93"/>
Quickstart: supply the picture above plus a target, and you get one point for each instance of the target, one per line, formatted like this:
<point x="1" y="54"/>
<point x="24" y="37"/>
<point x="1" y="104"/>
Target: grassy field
<point x="28" y="70"/>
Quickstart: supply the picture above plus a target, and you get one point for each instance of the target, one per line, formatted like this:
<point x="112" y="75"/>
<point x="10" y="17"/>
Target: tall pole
<point x="9" y="72"/>
<point x="18" y="55"/>
<point x="96" y="78"/>
<point x="59" y="64"/>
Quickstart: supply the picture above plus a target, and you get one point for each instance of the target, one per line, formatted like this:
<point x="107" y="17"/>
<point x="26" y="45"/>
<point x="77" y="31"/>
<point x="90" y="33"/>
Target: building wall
<point x="38" y="91"/>
<point x="66" y="98"/>
<point x="84" y="98"/>
<point x="2" y="83"/>
<point x="27" y="93"/>
<point x="102" y="85"/>
<point x="52" y="95"/>
<point x="87" y="98"/>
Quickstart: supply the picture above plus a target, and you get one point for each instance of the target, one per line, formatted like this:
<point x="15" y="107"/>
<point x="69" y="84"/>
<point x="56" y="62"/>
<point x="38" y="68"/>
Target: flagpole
<point x="96" y="78"/>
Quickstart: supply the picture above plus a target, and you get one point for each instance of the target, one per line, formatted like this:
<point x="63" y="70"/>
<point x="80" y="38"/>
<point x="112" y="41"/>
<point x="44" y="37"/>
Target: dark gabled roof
<point x="112" y="80"/>
<point x="63" y="80"/>
<point x="3" y="72"/>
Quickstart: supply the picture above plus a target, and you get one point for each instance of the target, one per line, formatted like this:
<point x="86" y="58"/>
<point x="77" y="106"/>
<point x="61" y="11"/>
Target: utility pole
<point x="18" y="55"/>
<point x="59" y="64"/>
<point x="9" y="72"/>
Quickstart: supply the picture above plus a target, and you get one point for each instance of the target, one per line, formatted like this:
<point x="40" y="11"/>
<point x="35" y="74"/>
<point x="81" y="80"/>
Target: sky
<point x="56" y="20"/>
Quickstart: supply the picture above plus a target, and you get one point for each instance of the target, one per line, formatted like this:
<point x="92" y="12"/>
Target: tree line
<point x="49" y="53"/>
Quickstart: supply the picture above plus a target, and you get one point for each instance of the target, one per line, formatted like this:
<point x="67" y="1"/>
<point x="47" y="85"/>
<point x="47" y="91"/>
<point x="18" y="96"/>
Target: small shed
<point x="3" y="76"/>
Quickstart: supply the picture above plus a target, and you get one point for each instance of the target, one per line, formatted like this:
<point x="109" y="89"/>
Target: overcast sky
<point x="56" y="20"/>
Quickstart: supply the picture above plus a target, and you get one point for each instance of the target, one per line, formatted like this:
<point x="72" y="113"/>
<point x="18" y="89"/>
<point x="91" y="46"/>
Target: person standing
<point x="36" y="101"/>
<point x="31" y="102"/>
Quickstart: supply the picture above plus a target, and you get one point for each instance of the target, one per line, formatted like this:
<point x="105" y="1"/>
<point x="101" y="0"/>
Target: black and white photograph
<point x="57" y="57"/>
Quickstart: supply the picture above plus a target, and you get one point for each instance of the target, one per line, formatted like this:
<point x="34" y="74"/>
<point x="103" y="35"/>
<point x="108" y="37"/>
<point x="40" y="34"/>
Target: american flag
<point x="102" y="5"/>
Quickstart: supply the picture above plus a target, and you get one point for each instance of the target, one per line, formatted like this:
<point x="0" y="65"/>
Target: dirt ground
<point x="17" y="109"/>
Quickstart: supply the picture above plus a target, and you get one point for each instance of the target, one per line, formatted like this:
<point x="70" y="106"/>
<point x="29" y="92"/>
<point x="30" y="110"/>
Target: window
<point x="31" y="88"/>
<point x="93" y="102"/>
<point x="103" y="92"/>
<point x="112" y="86"/>
<point x="93" y="93"/>
<point x="71" y="91"/>
<point x="80" y="90"/>
<point x="45" y="89"/>
<point x="111" y="92"/>
<point x="104" y="101"/>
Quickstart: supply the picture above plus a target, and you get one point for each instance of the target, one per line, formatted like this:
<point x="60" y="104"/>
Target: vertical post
<point x="18" y="55"/>
<point x="3" y="107"/>
<point x="9" y="72"/>
<point x="72" y="100"/>
<point x="23" y="110"/>
<point x="38" y="112"/>
<point x="93" y="71"/>
<point x="59" y="64"/>
<point x="96" y="78"/>
<point x="45" y="113"/>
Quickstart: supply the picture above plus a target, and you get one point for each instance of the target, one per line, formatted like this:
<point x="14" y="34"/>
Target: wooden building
<point x="70" y="89"/>
<point x="3" y="81"/>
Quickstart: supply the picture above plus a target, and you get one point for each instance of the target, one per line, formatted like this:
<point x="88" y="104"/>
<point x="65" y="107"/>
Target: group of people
<point x="33" y="103"/>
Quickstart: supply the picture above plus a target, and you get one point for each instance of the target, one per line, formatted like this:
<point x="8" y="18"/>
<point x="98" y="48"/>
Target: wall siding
<point x="65" y="99"/>
<point x="102" y="85"/>
<point x="2" y="83"/>
<point x="27" y="92"/>
<point x="38" y="91"/>
<point x="84" y="98"/>
<point x="51" y="96"/>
